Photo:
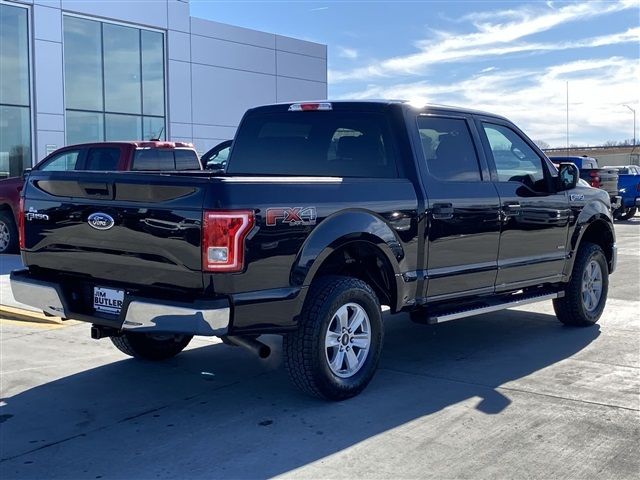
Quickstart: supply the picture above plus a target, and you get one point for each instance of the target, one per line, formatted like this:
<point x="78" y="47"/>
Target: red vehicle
<point x="109" y="156"/>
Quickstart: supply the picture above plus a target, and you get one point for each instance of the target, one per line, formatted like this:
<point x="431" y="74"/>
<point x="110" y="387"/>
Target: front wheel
<point x="149" y="346"/>
<point x="629" y="213"/>
<point x="586" y="292"/>
<point x="334" y="352"/>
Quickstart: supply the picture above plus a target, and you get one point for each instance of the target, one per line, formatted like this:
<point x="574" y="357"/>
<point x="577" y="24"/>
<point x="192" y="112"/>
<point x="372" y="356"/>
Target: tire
<point x="8" y="233"/>
<point x="578" y="308"/>
<point x="146" y="346"/>
<point x="629" y="213"/>
<point x="330" y="371"/>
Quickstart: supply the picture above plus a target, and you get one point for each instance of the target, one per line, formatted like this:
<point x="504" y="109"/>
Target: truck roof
<point x="137" y="144"/>
<point x="381" y="104"/>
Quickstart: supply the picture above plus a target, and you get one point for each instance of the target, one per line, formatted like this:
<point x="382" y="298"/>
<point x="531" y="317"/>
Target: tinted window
<point x="186" y="160"/>
<point x="315" y="144"/>
<point x="61" y="162"/>
<point x="515" y="160"/>
<point x="448" y="149"/>
<point x="153" y="159"/>
<point x="102" y="159"/>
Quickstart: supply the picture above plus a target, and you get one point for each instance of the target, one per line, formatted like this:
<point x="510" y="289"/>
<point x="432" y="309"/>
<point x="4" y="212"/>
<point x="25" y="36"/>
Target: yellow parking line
<point x="25" y="323"/>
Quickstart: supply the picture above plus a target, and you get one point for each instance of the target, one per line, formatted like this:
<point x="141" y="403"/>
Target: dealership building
<point x="75" y="71"/>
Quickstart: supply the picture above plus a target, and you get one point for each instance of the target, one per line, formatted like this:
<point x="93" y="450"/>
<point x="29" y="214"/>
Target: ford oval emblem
<point x="100" y="221"/>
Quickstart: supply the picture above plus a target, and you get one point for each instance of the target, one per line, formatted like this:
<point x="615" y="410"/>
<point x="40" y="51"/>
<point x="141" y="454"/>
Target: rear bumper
<point x="139" y="314"/>
<point x="616" y="202"/>
<point x="637" y="204"/>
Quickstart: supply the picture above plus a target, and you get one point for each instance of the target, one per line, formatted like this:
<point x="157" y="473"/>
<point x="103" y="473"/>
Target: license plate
<point x="107" y="300"/>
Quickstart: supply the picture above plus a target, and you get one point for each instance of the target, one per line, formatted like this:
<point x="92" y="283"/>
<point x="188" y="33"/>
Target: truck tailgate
<point x="123" y="227"/>
<point x="609" y="180"/>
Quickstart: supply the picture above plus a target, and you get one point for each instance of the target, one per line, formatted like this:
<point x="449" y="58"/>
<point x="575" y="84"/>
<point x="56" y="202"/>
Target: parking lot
<point x="510" y="394"/>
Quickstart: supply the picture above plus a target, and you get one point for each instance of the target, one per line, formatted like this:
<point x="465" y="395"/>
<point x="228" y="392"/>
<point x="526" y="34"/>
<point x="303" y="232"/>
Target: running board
<point x="523" y="300"/>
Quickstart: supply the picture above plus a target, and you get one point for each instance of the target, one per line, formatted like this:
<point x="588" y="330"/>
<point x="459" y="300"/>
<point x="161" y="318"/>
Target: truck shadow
<point x="216" y="411"/>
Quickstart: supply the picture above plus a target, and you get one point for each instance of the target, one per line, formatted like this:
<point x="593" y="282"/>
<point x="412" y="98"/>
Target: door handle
<point x="511" y="209"/>
<point x="442" y="211"/>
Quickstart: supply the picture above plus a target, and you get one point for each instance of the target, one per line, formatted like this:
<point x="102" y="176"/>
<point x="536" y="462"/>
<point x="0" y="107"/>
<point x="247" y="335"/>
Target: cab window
<point x="448" y="149"/>
<point x="514" y="159"/>
<point x="61" y="162"/>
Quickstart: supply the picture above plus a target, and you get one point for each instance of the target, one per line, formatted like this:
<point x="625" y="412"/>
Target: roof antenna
<point x="157" y="139"/>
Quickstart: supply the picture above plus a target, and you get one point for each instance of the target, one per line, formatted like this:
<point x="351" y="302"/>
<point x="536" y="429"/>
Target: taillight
<point x="223" y="235"/>
<point x="638" y="187"/>
<point x="21" y="240"/>
<point x="595" y="179"/>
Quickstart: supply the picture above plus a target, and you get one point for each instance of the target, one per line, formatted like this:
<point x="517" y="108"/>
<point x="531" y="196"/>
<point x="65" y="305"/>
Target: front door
<point x="535" y="218"/>
<point x="463" y="210"/>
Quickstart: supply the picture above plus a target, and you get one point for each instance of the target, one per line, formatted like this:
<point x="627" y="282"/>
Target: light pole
<point x="634" y="123"/>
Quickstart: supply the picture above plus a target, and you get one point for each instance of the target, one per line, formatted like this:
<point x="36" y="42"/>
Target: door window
<point x="103" y="159"/>
<point x="448" y="149"/>
<point x="61" y="162"/>
<point x="515" y="160"/>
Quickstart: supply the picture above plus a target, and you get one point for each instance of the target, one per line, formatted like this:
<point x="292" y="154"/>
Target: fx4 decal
<point x="292" y="216"/>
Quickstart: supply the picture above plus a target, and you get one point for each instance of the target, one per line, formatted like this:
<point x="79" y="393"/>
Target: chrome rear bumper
<point x="208" y="318"/>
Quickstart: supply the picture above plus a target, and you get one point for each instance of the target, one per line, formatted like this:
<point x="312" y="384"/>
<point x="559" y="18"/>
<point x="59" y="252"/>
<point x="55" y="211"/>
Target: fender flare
<point x="337" y="231"/>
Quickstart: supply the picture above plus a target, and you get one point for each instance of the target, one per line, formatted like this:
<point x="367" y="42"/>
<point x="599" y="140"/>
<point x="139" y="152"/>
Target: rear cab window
<point x="149" y="159"/>
<point x="323" y="143"/>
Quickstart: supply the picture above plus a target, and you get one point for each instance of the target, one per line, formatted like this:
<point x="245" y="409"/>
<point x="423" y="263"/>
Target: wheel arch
<point x="355" y="243"/>
<point x="598" y="229"/>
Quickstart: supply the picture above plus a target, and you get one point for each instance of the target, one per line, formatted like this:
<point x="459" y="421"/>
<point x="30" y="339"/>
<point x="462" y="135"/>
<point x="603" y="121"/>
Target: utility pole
<point x="567" y="118"/>
<point x="634" y="122"/>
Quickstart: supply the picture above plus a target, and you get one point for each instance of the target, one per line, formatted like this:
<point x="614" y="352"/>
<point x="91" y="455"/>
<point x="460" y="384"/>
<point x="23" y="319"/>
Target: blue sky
<point x="511" y="58"/>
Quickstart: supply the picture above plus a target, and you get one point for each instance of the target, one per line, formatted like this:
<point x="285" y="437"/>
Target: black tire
<point x="629" y="213"/>
<point x="305" y="354"/>
<point x="8" y="233"/>
<point x="571" y="309"/>
<point x="146" y="346"/>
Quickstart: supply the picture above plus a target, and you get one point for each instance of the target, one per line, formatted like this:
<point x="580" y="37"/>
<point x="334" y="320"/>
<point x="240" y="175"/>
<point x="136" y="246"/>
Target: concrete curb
<point x="12" y="313"/>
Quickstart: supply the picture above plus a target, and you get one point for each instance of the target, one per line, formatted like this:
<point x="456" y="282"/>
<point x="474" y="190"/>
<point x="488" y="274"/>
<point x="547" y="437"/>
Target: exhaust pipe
<point x="98" y="332"/>
<point x="261" y="349"/>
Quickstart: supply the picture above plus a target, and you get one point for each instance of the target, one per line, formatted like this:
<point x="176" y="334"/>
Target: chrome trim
<point x="493" y="308"/>
<point x="39" y="295"/>
<point x="147" y="317"/>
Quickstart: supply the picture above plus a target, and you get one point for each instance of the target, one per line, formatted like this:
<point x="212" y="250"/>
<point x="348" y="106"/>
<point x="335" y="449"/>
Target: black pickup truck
<point x="325" y="212"/>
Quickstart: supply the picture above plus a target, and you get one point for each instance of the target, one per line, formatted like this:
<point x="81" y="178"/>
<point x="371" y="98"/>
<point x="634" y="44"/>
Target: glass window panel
<point x="103" y="159"/>
<point x="62" y="162"/>
<point x="83" y="127"/>
<point x="187" y="160"/>
<point x="122" y="84"/>
<point x="153" y="127"/>
<point x="152" y="73"/>
<point x="82" y="64"/>
<point x="153" y="159"/>
<point x="15" y="140"/>
<point x="122" y="127"/>
<point x="14" y="56"/>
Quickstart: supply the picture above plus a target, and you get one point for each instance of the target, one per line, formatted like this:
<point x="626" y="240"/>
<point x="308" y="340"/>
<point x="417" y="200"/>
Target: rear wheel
<point x="149" y="346"/>
<point x="586" y="293"/>
<point x="8" y="233"/>
<point x="334" y="352"/>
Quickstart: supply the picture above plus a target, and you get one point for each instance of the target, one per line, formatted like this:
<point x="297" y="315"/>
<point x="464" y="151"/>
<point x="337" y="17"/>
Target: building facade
<point x="76" y="71"/>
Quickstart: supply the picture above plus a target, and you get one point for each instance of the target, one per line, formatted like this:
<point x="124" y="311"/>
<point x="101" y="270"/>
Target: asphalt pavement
<point x="504" y="395"/>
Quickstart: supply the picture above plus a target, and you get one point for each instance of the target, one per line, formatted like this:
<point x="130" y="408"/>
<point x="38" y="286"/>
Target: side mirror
<point x="26" y="172"/>
<point x="568" y="176"/>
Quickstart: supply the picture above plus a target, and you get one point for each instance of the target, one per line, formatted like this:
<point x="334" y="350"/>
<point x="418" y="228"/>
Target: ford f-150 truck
<point x="104" y="156"/>
<point x="325" y="212"/>
<point x="629" y="188"/>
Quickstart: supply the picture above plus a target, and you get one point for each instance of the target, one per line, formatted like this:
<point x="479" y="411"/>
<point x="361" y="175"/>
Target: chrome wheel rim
<point x="347" y="340"/>
<point x="5" y="236"/>
<point x="591" y="286"/>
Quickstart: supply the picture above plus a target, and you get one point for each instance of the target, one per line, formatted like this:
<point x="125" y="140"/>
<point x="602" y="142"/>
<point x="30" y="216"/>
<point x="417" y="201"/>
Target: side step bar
<point x="470" y="312"/>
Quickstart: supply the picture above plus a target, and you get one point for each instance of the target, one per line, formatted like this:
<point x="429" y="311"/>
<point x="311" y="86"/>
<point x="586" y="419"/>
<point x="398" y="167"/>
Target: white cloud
<point x="492" y="38"/>
<point x="536" y="99"/>
<point x="346" y="52"/>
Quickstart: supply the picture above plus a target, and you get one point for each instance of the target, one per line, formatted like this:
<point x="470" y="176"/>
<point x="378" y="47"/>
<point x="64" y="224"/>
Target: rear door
<point x="463" y="209"/>
<point x="535" y="218"/>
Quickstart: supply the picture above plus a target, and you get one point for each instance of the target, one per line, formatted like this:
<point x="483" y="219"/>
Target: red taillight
<point x="21" y="224"/>
<point x="223" y="235"/>
<point x="595" y="179"/>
